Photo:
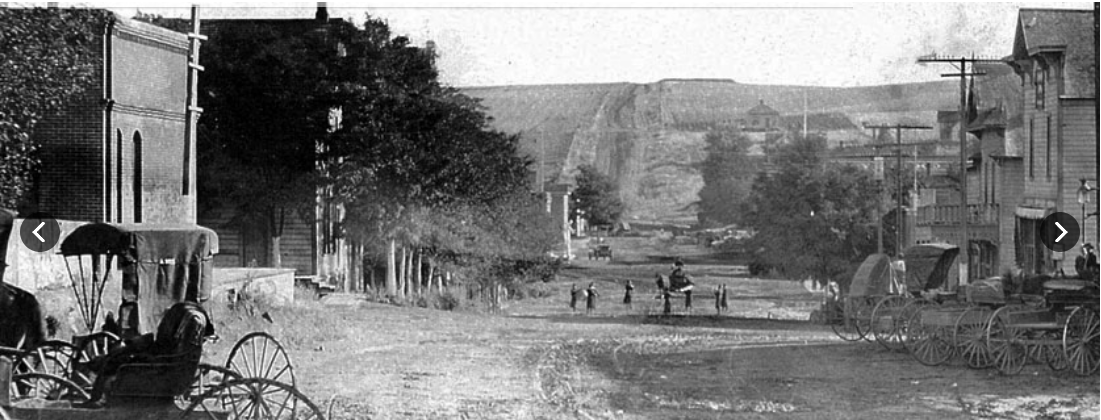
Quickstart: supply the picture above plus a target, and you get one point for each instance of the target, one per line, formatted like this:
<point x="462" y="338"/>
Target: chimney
<point x="322" y="14"/>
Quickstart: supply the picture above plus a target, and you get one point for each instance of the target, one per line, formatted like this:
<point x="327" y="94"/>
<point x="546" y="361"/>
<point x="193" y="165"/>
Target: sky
<point x="835" y="44"/>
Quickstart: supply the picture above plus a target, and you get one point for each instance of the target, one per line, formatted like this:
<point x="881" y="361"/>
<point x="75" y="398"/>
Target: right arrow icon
<point x="1059" y="232"/>
<point x="1062" y="234"/>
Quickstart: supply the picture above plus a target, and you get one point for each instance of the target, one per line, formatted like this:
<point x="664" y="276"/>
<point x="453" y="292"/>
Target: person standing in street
<point x="590" y="298"/>
<point x="716" y="290"/>
<point x="629" y="289"/>
<point x="722" y="296"/>
<point x="573" y="297"/>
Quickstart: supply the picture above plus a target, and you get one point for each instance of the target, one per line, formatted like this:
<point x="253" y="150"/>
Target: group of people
<point x="678" y="282"/>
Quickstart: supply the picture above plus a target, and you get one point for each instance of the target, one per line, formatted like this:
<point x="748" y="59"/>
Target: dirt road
<point x="537" y="360"/>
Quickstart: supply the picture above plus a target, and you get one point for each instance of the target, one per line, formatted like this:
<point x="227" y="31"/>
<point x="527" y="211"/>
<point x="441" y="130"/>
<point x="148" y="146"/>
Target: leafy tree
<point x="409" y="146"/>
<point x="813" y="218"/>
<point x="47" y="58"/>
<point x="596" y="196"/>
<point x="727" y="177"/>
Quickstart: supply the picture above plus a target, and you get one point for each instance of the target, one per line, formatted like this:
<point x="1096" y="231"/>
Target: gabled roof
<point x="1069" y="32"/>
<point x="987" y="118"/>
<point x="762" y="109"/>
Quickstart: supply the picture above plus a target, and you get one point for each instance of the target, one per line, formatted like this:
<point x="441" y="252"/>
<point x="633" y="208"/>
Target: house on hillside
<point x="120" y="152"/>
<point x="1054" y="54"/>
<point x="761" y="118"/>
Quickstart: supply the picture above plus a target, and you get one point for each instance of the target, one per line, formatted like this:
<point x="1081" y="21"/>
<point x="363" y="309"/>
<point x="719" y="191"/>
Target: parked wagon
<point x="851" y="317"/>
<point x="1063" y="333"/>
<point x="926" y="274"/>
<point x="160" y="266"/>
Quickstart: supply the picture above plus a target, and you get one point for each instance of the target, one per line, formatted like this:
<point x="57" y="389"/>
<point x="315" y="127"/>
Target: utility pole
<point x="898" y="175"/>
<point x="962" y="61"/>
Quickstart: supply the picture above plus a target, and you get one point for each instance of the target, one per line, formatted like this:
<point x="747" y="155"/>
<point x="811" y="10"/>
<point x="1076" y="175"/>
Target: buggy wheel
<point x="928" y="344"/>
<point x="255" y="399"/>
<point x="259" y="355"/>
<point x="206" y="377"/>
<point x="92" y="347"/>
<point x="37" y="385"/>
<point x="1006" y="343"/>
<point x="53" y="357"/>
<point x="910" y="318"/>
<point x="1054" y="357"/>
<point x="970" y="338"/>
<point x="1080" y="342"/>
<point x="863" y="316"/>
<point x="886" y="322"/>
<point x="846" y="327"/>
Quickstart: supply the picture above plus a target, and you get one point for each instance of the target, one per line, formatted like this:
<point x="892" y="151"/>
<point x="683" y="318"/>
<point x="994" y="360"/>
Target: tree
<point x="409" y="150"/>
<point x="813" y="218"/>
<point x="47" y="58"/>
<point x="727" y="177"/>
<point x="596" y="197"/>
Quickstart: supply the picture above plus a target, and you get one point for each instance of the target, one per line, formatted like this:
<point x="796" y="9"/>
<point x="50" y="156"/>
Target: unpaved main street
<point x="537" y="360"/>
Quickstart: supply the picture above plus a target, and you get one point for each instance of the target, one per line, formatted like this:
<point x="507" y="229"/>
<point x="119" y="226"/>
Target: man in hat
<point x="1086" y="263"/>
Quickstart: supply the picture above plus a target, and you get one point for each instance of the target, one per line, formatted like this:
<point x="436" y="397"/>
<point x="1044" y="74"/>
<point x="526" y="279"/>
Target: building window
<point x="107" y="174"/>
<point x="1047" y="148"/>
<point x="137" y="177"/>
<point x="1038" y="80"/>
<point x="118" y="180"/>
<point x="1031" y="148"/>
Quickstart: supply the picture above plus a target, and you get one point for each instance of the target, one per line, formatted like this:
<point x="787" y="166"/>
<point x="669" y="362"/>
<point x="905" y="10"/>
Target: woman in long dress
<point x="590" y="298"/>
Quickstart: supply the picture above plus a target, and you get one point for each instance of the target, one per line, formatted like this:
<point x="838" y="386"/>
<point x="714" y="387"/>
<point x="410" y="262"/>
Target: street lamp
<point x="1084" y="191"/>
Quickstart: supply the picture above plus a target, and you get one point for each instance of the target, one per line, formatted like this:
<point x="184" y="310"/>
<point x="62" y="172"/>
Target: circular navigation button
<point x="1059" y="232"/>
<point x="39" y="232"/>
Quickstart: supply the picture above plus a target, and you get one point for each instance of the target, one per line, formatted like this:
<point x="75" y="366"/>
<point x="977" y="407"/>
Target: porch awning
<point x="1034" y="213"/>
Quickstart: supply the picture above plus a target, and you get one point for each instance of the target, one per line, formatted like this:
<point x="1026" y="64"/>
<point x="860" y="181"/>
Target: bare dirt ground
<point x="537" y="360"/>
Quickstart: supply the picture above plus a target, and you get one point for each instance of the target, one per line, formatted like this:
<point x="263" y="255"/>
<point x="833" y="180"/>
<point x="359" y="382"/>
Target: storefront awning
<point x="1034" y="213"/>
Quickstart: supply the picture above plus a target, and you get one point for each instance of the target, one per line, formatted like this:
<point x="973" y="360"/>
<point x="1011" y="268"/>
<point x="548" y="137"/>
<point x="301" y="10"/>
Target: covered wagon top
<point x="927" y="265"/>
<point x="143" y="242"/>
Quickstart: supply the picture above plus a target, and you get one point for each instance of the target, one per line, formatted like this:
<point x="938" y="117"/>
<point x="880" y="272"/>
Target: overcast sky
<point x="851" y="44"/>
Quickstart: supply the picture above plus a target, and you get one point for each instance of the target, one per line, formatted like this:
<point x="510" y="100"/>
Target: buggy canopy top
<point x="873" y="278"/>
<point x="161" y="265"/>
<point x="927" y="265"/>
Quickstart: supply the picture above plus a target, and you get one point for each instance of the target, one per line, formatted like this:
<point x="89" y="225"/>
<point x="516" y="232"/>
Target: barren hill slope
<point x="649" y="137"/>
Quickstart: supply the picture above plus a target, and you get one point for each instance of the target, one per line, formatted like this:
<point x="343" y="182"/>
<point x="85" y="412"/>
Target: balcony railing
<point x="977" y="214"/>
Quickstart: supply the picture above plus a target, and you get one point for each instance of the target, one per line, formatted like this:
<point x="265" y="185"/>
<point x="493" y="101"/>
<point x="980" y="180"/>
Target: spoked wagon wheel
<point x="37" y="385"/>
<point x="909" y="318"/>
<point x="1053" y="356"/>
<point x="259" y="355"/>
<point x="886" y="322"/>
<point x="255" y="399"/>
<point x="1006" y="343"/>
<point x="1080" y="342"/>
<point x="846" y="327"/>
<point x="929" y="343"/>
<point x="207" y="377"/>
<point x="93" y="346"/>
<point x="53" y="357"/>
<point x="970" y="338"/>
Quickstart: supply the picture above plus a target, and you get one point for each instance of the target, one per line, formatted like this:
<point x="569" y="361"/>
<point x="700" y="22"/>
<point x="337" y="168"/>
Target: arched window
<point x="137" y="176"/>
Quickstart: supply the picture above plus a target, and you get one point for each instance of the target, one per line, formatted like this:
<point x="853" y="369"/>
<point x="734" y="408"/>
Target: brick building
<point x="1055" y="57"/>
<point x="118" y="153"/>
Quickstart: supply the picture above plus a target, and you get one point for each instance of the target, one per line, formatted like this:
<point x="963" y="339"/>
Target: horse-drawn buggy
<point x="147" y="362"/>
<point x="880" y="301"/>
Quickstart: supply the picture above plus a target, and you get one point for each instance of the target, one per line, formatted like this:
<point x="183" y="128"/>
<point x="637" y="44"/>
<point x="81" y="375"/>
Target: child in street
<point x="724" y="305"/>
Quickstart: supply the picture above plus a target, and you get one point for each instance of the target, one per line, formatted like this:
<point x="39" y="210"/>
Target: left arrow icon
<point x="43" y="224"/>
